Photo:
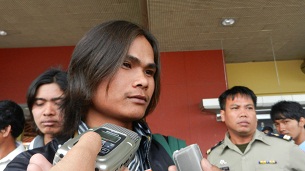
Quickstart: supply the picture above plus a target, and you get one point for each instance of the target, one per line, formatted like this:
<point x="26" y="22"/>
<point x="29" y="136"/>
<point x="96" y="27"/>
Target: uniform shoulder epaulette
<point x="216" y="145"/>
<point x="281" y="136"/>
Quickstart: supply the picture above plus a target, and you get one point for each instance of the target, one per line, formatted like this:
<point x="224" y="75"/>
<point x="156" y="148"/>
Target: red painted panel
<point x="187" y="78"/>
<point x="173" y="68"/>
<point x="20" y="66"/>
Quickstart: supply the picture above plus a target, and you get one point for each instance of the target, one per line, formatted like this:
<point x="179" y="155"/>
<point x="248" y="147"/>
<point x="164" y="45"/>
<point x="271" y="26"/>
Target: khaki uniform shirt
<point x="263" y="153"/>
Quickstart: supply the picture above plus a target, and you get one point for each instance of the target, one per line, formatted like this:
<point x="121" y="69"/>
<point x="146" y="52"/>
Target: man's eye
<point x="58" y="102"/>
<point x="39" y="103"/>
<point x="126" y="65"/>
<point x="150" y="72"/>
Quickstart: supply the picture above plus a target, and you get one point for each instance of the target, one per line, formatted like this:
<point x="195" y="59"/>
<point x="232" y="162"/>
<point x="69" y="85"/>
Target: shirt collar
<point x="19" y="148"/>
<point x="258" y="136"/>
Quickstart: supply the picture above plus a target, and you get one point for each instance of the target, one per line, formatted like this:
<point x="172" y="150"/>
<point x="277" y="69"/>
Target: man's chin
<point x="245" y="132"/>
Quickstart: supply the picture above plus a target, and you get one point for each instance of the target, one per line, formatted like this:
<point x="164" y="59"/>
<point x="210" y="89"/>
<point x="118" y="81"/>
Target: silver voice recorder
<point x="118" y="149"/>
<point x="188" y="158"/>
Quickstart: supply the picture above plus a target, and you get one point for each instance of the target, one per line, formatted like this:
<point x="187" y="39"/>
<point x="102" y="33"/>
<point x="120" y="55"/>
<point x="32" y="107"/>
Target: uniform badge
<point x="222" y="162"/>
<point x="267" y="162"/>
<point x="225" y="168"/>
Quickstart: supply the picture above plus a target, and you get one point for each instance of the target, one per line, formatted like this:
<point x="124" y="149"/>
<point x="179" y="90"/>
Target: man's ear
<point x="222" y="115"/>
<point x="6" y="131"/>
<point x="302" y="121"/>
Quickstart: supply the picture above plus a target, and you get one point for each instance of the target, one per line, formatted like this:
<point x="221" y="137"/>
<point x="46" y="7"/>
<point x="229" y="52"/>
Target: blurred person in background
<point x="44" y="98"/>
<point x="12" y="123"/>
<point x="267" y="130"/>
<point x="289" y="119"/>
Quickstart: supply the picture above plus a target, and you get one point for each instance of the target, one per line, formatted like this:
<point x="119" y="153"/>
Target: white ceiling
<point x="265" y="29"/>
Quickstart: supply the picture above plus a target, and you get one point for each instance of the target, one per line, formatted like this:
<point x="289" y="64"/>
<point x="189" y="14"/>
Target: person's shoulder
<point x="170" y="143"/>
<point x="278" y="141"/>
<point x="302" y="145"/>
<point x="36" y="142"/>
<point x="279" y="136"/>
<point x="214" y="147"/>
<point x="21" y="161"/>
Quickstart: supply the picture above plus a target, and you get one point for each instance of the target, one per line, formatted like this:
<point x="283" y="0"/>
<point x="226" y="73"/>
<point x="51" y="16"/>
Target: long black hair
<point x="52" y="75"/>
<point x="97" y="56"/>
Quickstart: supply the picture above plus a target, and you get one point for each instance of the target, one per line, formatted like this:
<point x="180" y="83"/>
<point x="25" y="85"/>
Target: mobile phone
<point x="188" y="158"/>
<point x="119" y="146"/>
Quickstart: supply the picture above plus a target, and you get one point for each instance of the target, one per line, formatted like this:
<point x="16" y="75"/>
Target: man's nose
<point x="49" y="109"/>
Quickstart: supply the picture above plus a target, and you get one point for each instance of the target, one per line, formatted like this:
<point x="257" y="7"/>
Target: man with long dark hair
<point x="44" y="98"/>
<point x="113" y="77"/>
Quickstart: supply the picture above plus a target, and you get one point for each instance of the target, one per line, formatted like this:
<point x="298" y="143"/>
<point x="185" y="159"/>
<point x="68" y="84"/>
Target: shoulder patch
<point x="216" y="145"/>
<point x="281" y="136"/>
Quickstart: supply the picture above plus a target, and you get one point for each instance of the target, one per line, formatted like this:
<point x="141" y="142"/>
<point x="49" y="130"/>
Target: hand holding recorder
<point x="74" y="159"/>
<point x="118" y="149"/>
<point x="205" y="165"/>
<point x="190" y="158"/>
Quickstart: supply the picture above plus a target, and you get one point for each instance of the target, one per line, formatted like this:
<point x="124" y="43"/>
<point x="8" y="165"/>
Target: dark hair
<point x="267" y="128"/>
<point x="232" y="92"/>
<point x="97" y="56"/>
<point x="52" y="75"/>
<point x="12" y="114"/>
<point x="287" y="109"/>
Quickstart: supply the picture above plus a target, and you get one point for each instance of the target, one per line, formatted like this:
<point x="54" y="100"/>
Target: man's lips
<point x="243" y="123"/>
<point x="138" y="99"/>
<point x="49" y="123"/>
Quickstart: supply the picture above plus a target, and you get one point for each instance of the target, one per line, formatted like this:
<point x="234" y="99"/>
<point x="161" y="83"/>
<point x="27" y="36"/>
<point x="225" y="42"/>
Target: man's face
<point x="290" y="127"/>
<point x="130" y="90"/>
<point x="46" y="112"/>
<point x="239" y="115"/>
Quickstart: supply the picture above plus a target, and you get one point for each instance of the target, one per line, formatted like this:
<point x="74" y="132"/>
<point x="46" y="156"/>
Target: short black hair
<point x="287" y="110"/>
<point x="232" y="92"/>
<point x="11" y="114"/>
<point x="267" y="128"/>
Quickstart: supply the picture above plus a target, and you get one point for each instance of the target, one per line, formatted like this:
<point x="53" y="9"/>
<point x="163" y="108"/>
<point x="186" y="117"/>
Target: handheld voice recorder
<point x="118" y="149"/>
<point x="188" y="158"/>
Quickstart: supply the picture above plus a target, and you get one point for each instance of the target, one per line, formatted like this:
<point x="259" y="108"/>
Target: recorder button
<point x="103" y="152"/>
<point x="109" y="145"/>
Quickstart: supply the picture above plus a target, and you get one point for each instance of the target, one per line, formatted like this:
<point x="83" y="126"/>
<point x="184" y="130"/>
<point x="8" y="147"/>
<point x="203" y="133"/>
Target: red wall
<point x="20" y="66"/>
<point x="186" y="78"/>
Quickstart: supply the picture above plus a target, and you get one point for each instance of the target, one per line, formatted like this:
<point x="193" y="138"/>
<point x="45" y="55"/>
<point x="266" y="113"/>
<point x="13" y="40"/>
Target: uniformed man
<point x="246" y="148"/>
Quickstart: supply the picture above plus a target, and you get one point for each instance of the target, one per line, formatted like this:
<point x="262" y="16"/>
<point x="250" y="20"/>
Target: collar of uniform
<point x="258" y="136"/>
<point x="227" y="143"/>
